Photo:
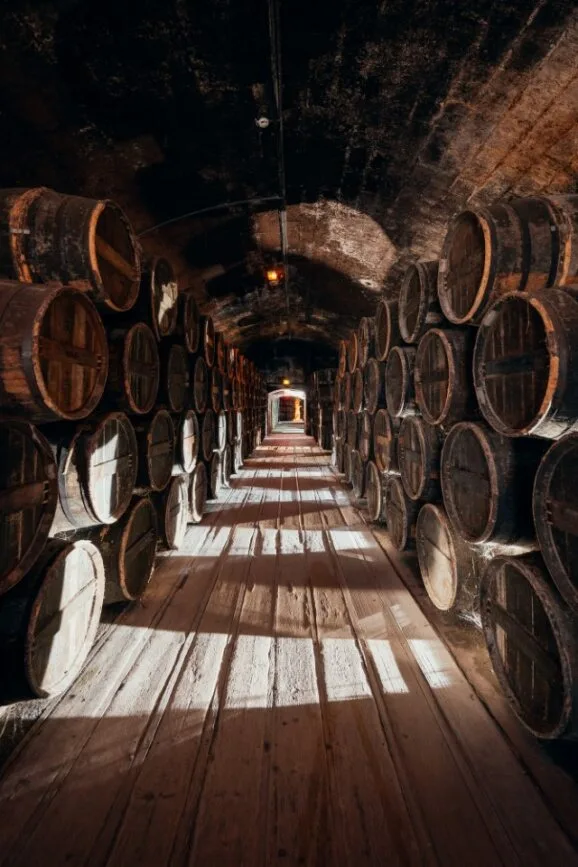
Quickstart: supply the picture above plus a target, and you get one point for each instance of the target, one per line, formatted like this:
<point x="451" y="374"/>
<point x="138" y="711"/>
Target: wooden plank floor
<point x="278" y="698"/>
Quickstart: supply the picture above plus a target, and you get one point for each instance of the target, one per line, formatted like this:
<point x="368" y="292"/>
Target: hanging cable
<point x="223" y="206"/>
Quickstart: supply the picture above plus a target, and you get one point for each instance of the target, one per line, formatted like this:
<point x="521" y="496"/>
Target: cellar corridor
<point x="279" y="697"/>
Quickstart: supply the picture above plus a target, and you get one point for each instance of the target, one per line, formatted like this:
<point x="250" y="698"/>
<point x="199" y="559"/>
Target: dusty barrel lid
<point x="215" y="476"/>
<point x="200" y="385"/>
<point x="157" y="447"/>
<point x="357" y="474"/>
<point x="198" y="493"/>
<point x="400" y="514"/>
<point x="216" y="389"/>
<point x="419" y="447"/>
<point x="208" y="438"/>
<point x="357" y="389"/>
<point x="374" y="493"/>
<point x="399" y="381"/>
<point x="160" y="294"/>
<point x="111" y="465"/>
<point x="386" y="329"/>
<point x="140" y="368"/>
<point x="418" y="301"/>
<point x="189" y="321"/>
<point x="365" y="339"/>
<point x="373" y="385"/>
<point x="221" y="432"/>
<point x="176" y="377"/>
<point x="385" y="441"/>
<point x="442" y="376"/>
<point x="187" y="443"/>
<point x="135" y="555"/>
<point x="365" y="439"/>
<point x="437" y="556"/>
<point x="173" y="509"/>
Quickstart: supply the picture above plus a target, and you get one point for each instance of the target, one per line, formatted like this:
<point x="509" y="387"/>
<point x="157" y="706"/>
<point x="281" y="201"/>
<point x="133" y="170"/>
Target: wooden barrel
<point x="48" y="621"/>
<point x="341" y="430"/>
<point x="565" y="211"/>
<point x="215" y="475"/>
<point x="156" y="450"/>
<point x="85" y="243"/>
<point x="175" y="376"/>
<point x="200" y="385"/>
<point x="443" y="376"/>
<point x="419" y="308"/>
<point x="172" y="507"/>
<point x="342" y="362"/>
<point x="347" y="452"/>
<point x="374" y="385"/>
<point x="216" y="389"/>
<point x="230" y="428"/>
<point x="385" y="431"/>
<point x="158" y="301"/>
<point x="227" y="466"/>
<point x="352" y="352"/>
<point x="357" y="391"/>
<point x="54" y="356"/>
<point x="526" y="364"/>
<point x="365" y="437"/>
<point x="347" y="391"/>
<point x="197" y="493"/>
<point x="386" y="329"/>
<point x="337" y="454"/>
<point x="352" y="428"/>
<point x="28" y="498"/>
<point x="400" y="514"/>
<point x="365" y="340"/>
<point x="221" y="352"/>
<point x="189" y="321"/>
<point x="531" y="640"/>
<point x="487" y="483"/>
<point x="187" y="442"/>
<point x="128" y="549"/>
<point x="97" y="471"/>
<point x="232" y="353"/>
<point x="449" y="568"/>
<point x="399" y="382"/>
<point x="555" y="505"/>
<point x="374" y="487"/>
<point x="227" y="394"/>
<point x="419" y="448"/>
<point x="208" y="435"/>
<point x="338" y="393"/>
<point x="208" y="340"/>
<point x="134" y="369"/>
<point x="357" y="474"/>
<point x="221" y="431"/>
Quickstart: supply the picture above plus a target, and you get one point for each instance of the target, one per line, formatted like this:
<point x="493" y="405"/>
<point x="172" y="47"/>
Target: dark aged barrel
<point x="365" y="438"/>
<point x="187" y="442"/>
<point x="399" y="382"/>
<point x="156" y="449"/>
<point x="158" y="301"/>
<point x="338" y="445"/>
<point x="374" y="484"/>
<point x="532" y="644"/>
<point x="221" y="431"/>
<point x="227" y="394"/>
<point x="386" y="329"/>
<point x="555" y="504"/>
<point x="449" y="567"/>
<point x="442" y="374"/>
<point x="97" y="470"/>
<point x="352" y="352"/>
<point x="565" y="209"/>
<point x="385" y="442"/>
<point x="208" y="340"/>
<point x="216" y="379"/>
<point x="341" y="424"/>
<point x="227" y="466"/>
<point x="220" y="352"/>
<point x="197" y="493"/>
<point x="419" y="307"/>
<point x="357" y="389"/>
<point x="338" y="393"/>
<point x="53" y="352"/>
<point x="48" y="622"/>
<point x="374" y="385"/>
<point x="418" y="448"/>
<point x="365" y="340"/>
<point x="487" y="483"/>
<point x="215" y="476"/>
<point x="28" y="498"/>
<point x="347" y="391"/>
<point x="357" y="474"/>
<point x="85" y="243"/>
<point x="232" y="353"/>
<point x="347" y="453"/>
<point x="173" y="512"/>
<point x="134" y="369"/>
<point x="208" y="435"/>
<point x="352" y="428"/>
<point x="230" y="429"/>
<point x="526" y="364"/>
<point x="400" y="514"/>
<point x="129" y="549"/>
<point x="175" y="376"/>
<point x="189" y="321"/>
<point x="200" y="385"/>
<point x="342" y="363"/>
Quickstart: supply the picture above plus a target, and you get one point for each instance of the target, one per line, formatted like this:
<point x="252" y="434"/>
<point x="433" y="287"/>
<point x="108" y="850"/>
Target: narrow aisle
<point x="277" y="698"/>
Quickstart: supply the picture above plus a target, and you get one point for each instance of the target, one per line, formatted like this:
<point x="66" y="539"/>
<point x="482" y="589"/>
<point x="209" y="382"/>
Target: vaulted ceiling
<point x="384" y="118"/>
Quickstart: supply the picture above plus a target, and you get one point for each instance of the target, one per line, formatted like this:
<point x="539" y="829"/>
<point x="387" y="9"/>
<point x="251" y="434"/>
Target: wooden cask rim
<point x="137" y="551"/>
<point x="227" y="466"/>
<point x="175" y="513"/>
<point x="114" y="257"/>
<point x="399" y="381"/>
<point x="466" y="267"/>
<point x="221" y="430"/>
<point x="28" y="498"/>
<point x="435" y="376"/>
<point x="140" y="368"/>
<point x="437" y="556"/>
<point x="187" y="443"/>
<point x="198" y="493"/>
<point x="418" y="302"/>
<point x="200" y="385"/>
<point x="386" y="328"/>
<point x="352" y="352"/>
<point x="400" y="514"/>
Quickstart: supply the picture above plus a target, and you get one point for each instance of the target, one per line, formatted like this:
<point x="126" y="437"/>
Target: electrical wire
<point x="223" y="206"/>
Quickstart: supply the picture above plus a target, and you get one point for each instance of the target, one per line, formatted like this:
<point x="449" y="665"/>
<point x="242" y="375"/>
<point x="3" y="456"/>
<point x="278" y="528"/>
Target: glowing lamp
<point x="286" y="382"/>
<point x="274" y="275"/>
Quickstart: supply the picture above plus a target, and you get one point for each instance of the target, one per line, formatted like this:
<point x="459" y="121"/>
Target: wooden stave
<point x="429" y="312"/>
<point x="172" y="508"/>
<point x="151" y="476"/>
<point x="197" y="500"/>
<point x="403" y="404"/>
<point x="430" y="444"/>
<point x="460" y="403"/>
<point x="119" y="392"/>
<point x="407" y="512"/>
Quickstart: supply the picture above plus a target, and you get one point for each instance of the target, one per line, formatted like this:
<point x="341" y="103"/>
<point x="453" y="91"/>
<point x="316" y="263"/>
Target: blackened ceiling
<point x="394" y="115"/>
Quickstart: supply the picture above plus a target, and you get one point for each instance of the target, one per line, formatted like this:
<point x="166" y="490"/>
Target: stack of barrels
<point x="456" y="418"/>
<point x="122" y="412"/>
<point x="320" y="401"/>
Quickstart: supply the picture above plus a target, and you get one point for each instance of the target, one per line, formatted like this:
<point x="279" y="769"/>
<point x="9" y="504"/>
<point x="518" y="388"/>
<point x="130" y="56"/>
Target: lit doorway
<point x="286" y="411"/>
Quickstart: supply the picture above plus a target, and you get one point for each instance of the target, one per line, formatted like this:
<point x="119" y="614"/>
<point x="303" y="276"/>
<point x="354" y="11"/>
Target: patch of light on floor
<point x="390" y="676"/>
<point x="434" y="661"/>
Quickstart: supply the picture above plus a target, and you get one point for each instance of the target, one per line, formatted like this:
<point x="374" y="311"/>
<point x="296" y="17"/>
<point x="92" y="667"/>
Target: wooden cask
<point x="357" y="474"/>
<point x="220" y="353"/>
<point x="352" y="352"/>
<point x="189" y="321"/>
<point x="341" y="429"/>
<point x="208" y="340"/>
<point x="399" y="382"/>
<point x="400" y="514"/>
<point x="342" y="362"/>
<point x="365" y="437"/>
<point x="419" y="448"/>
<point x="175" y="377"/>
<point x="200" y="385"/>
<point x="28" y="498"/>
<point x="386" y="328"/>
<point x="187" y="443"/>
<point x="85" y="243"/>
<point x="531" y="640"/>
<point x="338" y="393"/>
<point x="487" y="483"/>
<point x="526" y="364"/>
<point x="226" y="466"/>
<point x="555" y="506"/>
<point x="337" y="453"/>
<point x="216" y="380"/>
<point x="172" y="507"/>
<point x="215" y="466"/>
<point x="221" y="431"/>
<point x="49" y="620"/>
<point x="365" y="340"/>
<point x="197" y="493"/>
<point x="97" y="471"/>
<point x="374" y="487"/>
<point x="374" y="385"/>
<point x="443" y="376"/>
<point x="385" y="432"/>
<point x="156" y="450"/>
<point x="227" y="394"/>
<point x="129" y="549"/>
<point x="53" y="352"/>
<point x="232" y="354"/>
<point x="134" y="369"/>
<point x="419" y="308"/>
<point x="158" y="302"/>
<point x="347" y="467"/>
<point x="357" y="391"/>
<point x="230" y="429"/>
<point x="449" y="567"/>
<point x="352" y="428"/>
<point x="208" y="435"/>
<point x="347" y="391"/>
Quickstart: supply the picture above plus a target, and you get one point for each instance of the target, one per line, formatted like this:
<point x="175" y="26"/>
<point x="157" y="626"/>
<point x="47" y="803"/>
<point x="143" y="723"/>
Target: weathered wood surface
<point x="279" y="698"/>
